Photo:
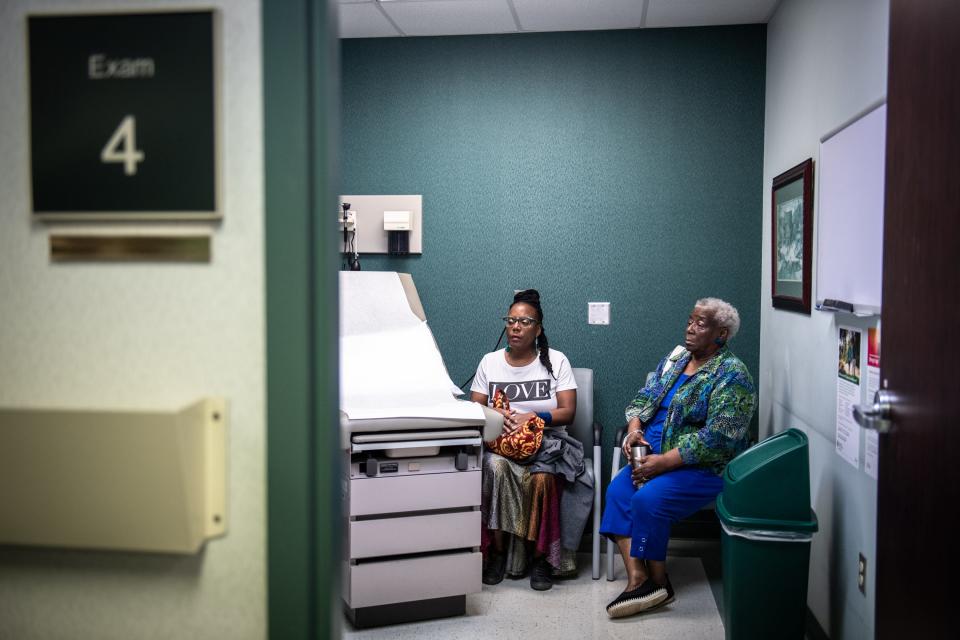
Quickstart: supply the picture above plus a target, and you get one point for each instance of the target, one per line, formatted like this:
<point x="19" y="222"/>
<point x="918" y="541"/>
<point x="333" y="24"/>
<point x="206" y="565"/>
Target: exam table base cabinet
<point x="412" y="537"/>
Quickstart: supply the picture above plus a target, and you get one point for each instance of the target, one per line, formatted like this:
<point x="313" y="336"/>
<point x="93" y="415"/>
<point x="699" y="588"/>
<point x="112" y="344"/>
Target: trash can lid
<point x="761" y="525"/>
<point x="770" y="481"/>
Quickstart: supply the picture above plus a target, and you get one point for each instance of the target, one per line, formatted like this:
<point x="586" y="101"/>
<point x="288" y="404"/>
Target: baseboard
<point x="377" y="616"/>
<point x="813" y="628"/>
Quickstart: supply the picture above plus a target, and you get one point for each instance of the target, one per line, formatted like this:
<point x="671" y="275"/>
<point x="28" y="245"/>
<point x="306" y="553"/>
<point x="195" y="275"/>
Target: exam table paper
<point x="389" y="362"/>
<point x="373" y="302"/>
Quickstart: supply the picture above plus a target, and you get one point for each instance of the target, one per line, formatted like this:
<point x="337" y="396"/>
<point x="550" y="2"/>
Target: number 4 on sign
<point x="122" y="147"/>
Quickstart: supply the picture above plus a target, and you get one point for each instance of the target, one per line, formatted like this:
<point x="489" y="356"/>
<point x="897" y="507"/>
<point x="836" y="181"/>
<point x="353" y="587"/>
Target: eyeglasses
<point x="701" y="323"/>
<point x="525" y="321"/>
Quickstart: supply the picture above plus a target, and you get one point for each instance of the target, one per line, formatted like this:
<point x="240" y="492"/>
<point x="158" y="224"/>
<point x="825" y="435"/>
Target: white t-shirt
<point x="530" y="387"/>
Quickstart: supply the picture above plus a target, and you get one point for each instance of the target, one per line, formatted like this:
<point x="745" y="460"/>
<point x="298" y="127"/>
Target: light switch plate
<point x="598" y="313"/>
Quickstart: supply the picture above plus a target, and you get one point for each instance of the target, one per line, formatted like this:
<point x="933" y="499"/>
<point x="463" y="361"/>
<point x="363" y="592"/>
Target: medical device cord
<point x="495" y="347"/>
<point x="351" y="259"/>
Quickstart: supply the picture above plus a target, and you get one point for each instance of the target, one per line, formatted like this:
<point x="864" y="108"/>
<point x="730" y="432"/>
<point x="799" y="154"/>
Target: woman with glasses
<point x="521" y="502"/>
<point x="693" y="413"/>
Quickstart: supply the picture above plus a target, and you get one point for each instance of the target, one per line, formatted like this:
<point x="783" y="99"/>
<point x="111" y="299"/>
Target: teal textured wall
<point x="620" y="166"/>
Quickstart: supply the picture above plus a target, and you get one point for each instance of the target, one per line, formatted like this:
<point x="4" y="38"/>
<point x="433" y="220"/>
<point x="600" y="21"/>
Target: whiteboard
<point x="850" y="218"/>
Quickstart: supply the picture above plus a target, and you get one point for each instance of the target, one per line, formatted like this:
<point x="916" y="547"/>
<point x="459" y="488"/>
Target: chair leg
<point x="596" y="513"/>
<point x="612" y="551"/>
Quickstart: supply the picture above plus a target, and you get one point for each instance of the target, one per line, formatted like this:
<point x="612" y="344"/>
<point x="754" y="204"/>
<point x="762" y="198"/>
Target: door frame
<point x="301" y="102"/>
<point x="917" y="488"/>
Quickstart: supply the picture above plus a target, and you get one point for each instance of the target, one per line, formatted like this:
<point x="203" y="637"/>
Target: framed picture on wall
<point x="792" y="237"/>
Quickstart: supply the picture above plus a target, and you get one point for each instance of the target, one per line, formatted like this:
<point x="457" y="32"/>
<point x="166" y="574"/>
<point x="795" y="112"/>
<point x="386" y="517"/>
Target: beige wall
<point x="826" y="62"/>
<point x="141" y="336"/>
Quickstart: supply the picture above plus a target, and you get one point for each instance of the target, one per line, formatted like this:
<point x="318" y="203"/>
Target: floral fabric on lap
<point x="523" y="443"/>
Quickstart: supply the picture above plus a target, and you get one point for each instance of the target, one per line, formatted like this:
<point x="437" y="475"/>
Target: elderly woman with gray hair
<point x="693" y="414"/>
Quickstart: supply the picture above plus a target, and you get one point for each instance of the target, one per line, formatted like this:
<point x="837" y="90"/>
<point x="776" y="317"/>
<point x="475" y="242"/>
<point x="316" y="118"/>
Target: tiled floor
<point x="573" y="609"/>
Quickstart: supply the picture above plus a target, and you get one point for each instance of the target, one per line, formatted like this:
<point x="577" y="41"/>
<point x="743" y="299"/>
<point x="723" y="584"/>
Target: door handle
<point x="878" y="416"/>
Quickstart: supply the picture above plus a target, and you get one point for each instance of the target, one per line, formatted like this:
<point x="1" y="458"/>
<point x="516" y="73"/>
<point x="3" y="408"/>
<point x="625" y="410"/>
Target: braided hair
<point x="532" y="298"/>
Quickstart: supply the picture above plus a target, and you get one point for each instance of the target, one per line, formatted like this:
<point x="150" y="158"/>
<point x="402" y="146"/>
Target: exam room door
<point x="919" y="460"/>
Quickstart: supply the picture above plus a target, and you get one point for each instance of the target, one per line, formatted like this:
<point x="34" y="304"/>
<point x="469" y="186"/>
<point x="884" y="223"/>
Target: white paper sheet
<point x="848" y="394"/>
<point x="373" y="301"/>
<point x="389" y="362"/>
<point x="871" y="453"/>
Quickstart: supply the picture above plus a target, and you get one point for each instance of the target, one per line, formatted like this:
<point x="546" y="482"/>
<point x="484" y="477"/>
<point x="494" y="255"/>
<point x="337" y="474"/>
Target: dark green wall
<point x="621" y="166"/>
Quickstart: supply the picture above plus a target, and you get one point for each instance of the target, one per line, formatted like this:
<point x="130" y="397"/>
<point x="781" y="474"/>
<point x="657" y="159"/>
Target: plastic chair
<point x="587" y="430"/>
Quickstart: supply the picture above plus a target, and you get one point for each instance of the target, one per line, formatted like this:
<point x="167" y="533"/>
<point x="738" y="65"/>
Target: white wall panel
<point x="826" y="62"/>
<point x="141" y="336"/>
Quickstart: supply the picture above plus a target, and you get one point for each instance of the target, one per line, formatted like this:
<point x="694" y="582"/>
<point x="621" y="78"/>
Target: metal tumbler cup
<point x="637" y="453"/>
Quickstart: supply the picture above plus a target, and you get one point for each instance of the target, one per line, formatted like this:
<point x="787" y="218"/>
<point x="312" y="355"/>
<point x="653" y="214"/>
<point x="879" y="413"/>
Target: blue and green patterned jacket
<point x="709" y="416"/>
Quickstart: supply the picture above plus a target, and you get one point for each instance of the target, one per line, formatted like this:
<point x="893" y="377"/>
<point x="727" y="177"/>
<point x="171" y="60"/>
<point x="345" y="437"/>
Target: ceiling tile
<point x="364" y="21"/>
<point x="696" y="13"/>
<point x="578" y="15"/>
<point x="451" y="17"/>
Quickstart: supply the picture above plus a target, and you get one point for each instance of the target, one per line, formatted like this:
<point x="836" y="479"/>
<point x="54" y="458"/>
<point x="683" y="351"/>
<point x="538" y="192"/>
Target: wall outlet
<point x="862" y="574"/>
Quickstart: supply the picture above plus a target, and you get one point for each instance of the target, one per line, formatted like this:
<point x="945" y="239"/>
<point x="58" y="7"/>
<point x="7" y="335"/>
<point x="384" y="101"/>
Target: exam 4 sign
<point x="123" y="115"/>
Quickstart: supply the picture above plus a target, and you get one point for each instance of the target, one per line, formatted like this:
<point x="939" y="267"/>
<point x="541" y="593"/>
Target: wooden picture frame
<point x="791" y="232"/>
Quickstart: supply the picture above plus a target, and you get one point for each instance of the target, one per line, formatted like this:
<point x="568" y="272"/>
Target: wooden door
<point x="920" y="458"/>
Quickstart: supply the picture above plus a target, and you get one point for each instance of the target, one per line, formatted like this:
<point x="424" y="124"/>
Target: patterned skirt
<point x="527" y="507"/>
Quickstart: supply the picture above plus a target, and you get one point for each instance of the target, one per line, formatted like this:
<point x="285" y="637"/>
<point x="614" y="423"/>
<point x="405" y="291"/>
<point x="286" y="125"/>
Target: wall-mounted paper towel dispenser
<point x="119" y="480"/>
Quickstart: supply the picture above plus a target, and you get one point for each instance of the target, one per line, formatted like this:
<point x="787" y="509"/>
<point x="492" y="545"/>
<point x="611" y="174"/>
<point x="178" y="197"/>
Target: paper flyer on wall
<point x="871" y="445"/>
<point x="848" y="394"/>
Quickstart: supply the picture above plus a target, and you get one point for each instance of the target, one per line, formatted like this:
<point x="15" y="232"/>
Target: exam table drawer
<point x="415" y="534"/>
<point x="375" y="583"/>
<point x="371" y="496"/>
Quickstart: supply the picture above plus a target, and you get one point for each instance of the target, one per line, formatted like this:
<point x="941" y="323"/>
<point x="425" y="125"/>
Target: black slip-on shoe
<point x="646" y="596"/>
<point x="540" y="575"/>
<point x="671" y="597"/>
<point x="496" y="567"/>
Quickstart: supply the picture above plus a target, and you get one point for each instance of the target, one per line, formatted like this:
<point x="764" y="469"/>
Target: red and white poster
<point x="873" y="347"/>
<point x="871" y="444"/>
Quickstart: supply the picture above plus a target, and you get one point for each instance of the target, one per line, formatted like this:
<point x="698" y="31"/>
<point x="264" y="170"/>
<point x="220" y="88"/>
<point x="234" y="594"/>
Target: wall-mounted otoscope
<point x="348" y="222"/>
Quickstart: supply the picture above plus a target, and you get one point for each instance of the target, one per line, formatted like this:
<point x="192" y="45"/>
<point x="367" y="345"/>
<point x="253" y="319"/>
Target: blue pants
<point x="647" y="514"/>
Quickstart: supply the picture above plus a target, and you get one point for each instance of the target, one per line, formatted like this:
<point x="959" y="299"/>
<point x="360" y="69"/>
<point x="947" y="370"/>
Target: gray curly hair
<point x="724" y="314"/>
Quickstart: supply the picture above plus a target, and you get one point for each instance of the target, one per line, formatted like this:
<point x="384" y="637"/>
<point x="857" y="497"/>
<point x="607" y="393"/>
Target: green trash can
<point x="767" y="524"/>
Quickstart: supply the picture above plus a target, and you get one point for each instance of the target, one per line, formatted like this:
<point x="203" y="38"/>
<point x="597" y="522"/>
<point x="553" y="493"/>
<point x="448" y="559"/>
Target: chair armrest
<point x="618" y="440"/>
<point x="597" y="433"/>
